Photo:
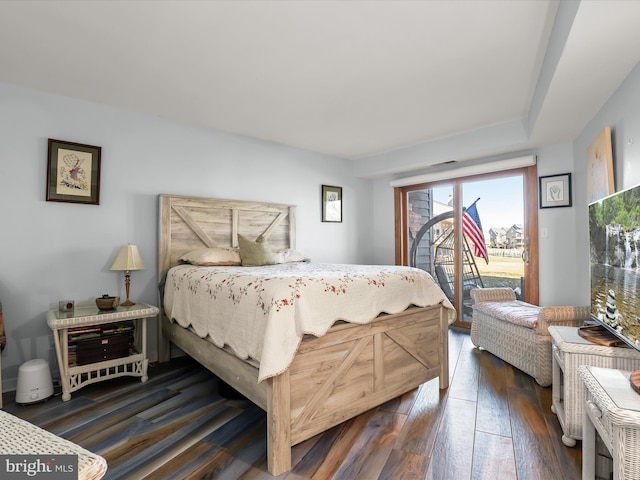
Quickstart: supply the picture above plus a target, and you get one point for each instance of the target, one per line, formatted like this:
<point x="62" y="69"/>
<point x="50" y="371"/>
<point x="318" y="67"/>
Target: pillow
<point x="255" y="253"/>
<point x="215" y="256"/>
<point x="289" y="255"/>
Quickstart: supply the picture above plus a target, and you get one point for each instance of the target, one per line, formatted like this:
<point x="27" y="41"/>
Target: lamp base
<point x="127" y="285"/>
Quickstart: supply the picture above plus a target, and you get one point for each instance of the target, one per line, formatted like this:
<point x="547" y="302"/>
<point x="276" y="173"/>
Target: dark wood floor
<point x="494" y="422"/>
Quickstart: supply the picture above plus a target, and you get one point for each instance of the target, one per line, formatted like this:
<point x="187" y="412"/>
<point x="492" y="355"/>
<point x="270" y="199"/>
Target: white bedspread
<point x="263" y="312"/>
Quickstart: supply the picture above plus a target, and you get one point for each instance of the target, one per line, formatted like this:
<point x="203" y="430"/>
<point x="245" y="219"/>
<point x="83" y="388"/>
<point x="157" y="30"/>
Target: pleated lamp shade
<point x="128" y="259"/>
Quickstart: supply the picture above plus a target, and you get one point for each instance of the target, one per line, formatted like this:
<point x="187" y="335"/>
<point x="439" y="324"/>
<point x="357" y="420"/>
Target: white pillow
<point x="215" y="256"/>
<point x="288" y="256"/>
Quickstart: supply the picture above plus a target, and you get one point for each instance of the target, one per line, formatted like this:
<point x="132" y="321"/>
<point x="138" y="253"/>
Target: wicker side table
<point x="76" y="377"/>
<point x="612" y="408"/>
<point x="569" y="351"/>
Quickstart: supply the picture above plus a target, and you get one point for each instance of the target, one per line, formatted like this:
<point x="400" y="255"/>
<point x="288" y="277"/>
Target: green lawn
<point x="501" y="271"/>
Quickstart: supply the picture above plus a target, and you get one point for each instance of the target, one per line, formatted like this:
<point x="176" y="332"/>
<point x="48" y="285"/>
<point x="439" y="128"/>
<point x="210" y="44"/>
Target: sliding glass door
<point x="473" y="232"/>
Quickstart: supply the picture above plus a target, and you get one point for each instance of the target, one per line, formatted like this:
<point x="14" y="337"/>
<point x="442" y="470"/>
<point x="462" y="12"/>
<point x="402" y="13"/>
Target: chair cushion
<point x="516" y="312"/>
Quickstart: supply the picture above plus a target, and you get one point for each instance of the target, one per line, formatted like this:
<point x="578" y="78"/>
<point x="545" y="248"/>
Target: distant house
<point x="515" y="236"/>
<point x="497" y="238"/>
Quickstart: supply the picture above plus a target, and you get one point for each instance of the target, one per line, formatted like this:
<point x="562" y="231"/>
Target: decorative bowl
<point x="105" y="302"/>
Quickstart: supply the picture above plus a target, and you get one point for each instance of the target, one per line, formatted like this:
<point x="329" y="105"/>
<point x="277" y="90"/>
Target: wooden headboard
<point x="187" y="223"/>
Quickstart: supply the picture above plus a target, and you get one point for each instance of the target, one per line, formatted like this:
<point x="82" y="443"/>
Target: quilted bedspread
<point x="262" y="313"/>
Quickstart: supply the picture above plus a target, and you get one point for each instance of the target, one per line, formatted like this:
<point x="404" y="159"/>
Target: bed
<point x="349" y="369"/>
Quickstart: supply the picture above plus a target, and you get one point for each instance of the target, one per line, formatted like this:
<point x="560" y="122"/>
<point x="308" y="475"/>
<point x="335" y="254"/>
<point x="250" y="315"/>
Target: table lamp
<point x="128" y="259"/>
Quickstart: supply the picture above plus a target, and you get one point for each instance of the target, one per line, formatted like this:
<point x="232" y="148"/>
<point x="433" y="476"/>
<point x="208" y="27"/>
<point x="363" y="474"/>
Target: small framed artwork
<point x="73" y="172"/>
<point x="555" y="191"/>
<point x="600" y="182"/>
<point x="331" y="204"/>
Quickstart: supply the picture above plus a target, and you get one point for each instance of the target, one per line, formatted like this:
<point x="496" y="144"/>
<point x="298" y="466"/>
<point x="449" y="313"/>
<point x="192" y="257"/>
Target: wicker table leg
<point x="588" y="447"/>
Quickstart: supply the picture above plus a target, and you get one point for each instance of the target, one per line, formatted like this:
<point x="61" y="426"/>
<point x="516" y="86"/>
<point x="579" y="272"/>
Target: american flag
<point x="472" y="228"/>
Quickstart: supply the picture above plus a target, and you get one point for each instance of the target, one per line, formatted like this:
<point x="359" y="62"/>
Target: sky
<point x="501" y="201"/>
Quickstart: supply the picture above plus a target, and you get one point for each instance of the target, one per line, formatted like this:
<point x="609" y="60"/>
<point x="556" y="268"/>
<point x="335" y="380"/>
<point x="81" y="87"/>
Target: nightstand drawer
<point x="104" y="348"/>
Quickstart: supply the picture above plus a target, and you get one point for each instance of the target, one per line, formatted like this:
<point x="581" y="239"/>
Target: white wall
<point x="53" y="251"/>
<point x="383" y="234"/>
<point x="557" y="260"/>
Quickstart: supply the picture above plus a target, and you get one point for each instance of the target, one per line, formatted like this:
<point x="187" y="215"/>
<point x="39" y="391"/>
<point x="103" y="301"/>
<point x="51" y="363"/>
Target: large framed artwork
<point x="600" y="167"/>
<point x="331" y="204"/>
<point x="73" y="172"/>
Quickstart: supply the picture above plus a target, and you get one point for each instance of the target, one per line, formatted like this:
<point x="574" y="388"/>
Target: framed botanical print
<point x="73" y="172"/>
<point x="331" y="204"/>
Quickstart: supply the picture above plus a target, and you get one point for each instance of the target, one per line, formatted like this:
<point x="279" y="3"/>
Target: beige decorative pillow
<point x="255" y="253"/>
<point x="215" y="256"/>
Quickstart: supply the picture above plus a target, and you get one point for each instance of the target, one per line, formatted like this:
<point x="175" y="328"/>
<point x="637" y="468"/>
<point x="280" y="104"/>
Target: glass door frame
<point x="530" y="254"/>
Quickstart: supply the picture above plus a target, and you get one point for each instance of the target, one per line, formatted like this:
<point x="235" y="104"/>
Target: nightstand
<point x="569" y="351"/>
<point x="612" y="409"/>
<point x="102" y="334"/>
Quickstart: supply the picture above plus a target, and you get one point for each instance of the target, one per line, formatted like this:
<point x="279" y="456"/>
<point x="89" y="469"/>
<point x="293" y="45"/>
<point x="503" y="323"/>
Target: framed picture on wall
<point x="73" y="172"/>
<point x="331" y="204"/>
<point x="555" y="191"/>
<point x="600" y="167"/>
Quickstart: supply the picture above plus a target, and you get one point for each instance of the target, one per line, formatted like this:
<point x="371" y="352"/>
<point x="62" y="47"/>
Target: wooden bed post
<point x="278" y="424"/>
<point x="164" y="262"/>
<point x="444" y="349"/>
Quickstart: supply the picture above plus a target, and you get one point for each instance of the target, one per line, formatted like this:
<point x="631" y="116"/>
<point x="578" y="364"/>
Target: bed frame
<point x="350" y="370"/>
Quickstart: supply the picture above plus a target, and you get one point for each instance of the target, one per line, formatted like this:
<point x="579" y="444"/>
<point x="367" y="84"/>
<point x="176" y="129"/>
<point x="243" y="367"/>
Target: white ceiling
<point x="346" y="78"/>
